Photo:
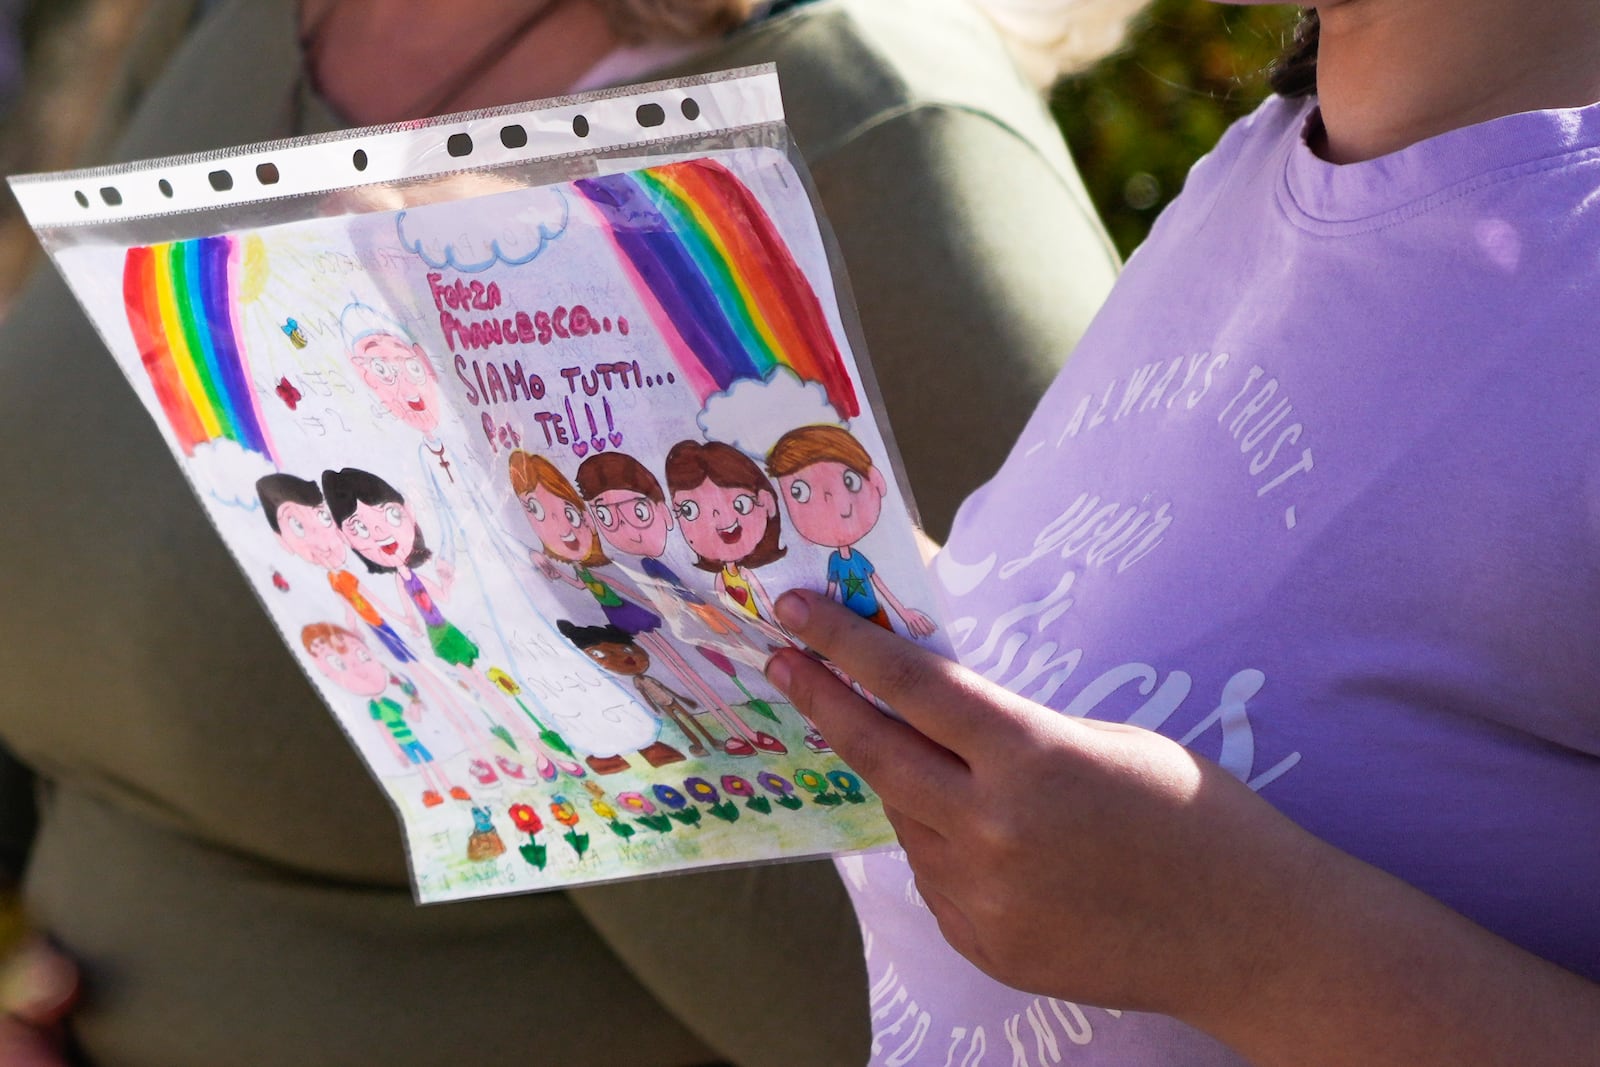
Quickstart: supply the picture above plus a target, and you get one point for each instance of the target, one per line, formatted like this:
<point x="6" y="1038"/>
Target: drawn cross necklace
<point x="438" y="454"/>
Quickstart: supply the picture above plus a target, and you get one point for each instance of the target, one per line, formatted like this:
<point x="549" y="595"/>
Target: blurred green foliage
<point x="1139" y="120"/>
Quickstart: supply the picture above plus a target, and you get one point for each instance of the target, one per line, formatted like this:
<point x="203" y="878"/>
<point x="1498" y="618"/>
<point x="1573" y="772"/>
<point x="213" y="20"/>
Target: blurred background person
<point x="222" y="912"/>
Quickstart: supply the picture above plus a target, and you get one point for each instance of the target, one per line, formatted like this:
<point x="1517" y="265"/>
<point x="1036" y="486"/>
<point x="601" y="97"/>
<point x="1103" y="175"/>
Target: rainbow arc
<point x="180" y="300"/>
<point x="718" y="279"/>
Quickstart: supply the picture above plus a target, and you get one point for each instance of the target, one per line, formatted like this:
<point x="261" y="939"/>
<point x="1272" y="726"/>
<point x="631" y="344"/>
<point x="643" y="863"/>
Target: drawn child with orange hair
<point x="558" y="517"/>
<point x="834" y="496"/>
<point x="344" y="659"/>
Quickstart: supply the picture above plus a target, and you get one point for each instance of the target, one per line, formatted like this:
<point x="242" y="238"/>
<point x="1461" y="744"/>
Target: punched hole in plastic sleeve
<point x="308" y="166"/>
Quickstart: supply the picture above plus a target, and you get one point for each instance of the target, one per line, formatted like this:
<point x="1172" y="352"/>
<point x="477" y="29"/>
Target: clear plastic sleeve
<point x="516" y="422"/>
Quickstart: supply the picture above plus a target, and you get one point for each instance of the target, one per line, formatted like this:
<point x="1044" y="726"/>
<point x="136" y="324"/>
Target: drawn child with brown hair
<point x="558" y="517"/>
<point x="632" y="515"/>
<point x="728" y="514"/>
<point x="834" y="496"/>
<point x="344" y="659"/>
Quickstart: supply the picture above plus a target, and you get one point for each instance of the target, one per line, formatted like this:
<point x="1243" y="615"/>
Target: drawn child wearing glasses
<point x="556" y="513"/>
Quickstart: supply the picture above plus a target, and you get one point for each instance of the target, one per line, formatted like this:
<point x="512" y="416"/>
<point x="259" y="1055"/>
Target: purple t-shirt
<point x="1317" y="496"/>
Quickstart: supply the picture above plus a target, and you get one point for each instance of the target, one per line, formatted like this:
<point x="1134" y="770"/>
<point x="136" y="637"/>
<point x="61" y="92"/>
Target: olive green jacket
<point x="209" y="846"/>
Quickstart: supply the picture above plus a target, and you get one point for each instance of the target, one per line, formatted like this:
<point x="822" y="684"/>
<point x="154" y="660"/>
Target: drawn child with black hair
<point x="616" y="650"/>
<point x="379" y="525"/>
<point x="299" y="516"/>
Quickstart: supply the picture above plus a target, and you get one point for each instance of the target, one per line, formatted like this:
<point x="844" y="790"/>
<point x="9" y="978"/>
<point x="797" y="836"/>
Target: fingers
<point x="25" y="1046"/>
<point x="38" y="985"/>
<point x="943" y="700"/>
<point x="914" y="835"/>
<point x="908" y="771"/>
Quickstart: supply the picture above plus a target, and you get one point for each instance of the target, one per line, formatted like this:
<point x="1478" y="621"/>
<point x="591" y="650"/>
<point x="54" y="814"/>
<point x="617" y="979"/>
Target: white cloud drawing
<point x="474" y="235"/>
<point x="751" y="415"/>
<point x="228" y="471"/>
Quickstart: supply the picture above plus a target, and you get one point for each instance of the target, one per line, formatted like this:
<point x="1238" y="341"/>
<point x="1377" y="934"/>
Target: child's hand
<point x="545" y="565"/>
<point x="919" y="623"/>
<point x="38" y="987"/>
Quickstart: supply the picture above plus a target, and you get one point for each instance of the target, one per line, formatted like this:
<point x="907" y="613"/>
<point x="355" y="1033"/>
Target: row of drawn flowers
<point x="828" y="790"/>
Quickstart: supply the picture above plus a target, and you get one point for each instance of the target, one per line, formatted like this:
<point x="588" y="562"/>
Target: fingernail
<point x="778" y="666"/>
<point x="792" y="610"/>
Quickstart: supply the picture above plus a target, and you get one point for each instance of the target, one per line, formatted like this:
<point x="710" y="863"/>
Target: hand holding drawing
<point x="1007" y="811"/>
<point x="1105" y="864"/>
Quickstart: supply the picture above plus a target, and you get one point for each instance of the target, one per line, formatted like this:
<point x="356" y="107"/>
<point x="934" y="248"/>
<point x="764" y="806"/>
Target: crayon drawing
<point x="518" y="476"/>
<point x="181" y="304"/>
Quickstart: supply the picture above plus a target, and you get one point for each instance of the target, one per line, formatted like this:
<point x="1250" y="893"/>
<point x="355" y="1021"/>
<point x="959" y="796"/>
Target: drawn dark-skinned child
<point x="558" y="517"/>
<point x="615" y="650"/>
<point x="380" y="527"/>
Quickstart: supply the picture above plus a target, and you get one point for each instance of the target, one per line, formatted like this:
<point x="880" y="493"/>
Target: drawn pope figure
<point x="392" y="366"/>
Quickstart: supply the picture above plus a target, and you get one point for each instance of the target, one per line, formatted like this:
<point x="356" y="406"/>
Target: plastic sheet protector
<point x="517" y="423"/>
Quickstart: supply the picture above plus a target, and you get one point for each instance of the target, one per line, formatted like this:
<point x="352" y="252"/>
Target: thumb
<point x="37" y="984"/>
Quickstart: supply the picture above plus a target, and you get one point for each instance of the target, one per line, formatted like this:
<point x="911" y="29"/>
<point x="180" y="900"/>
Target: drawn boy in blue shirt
<point x="834" y="496"/>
